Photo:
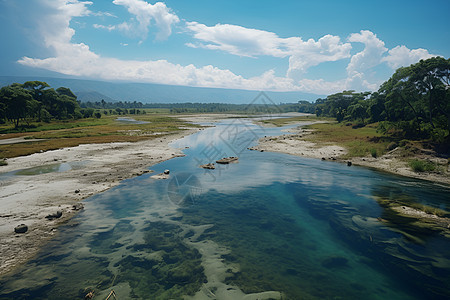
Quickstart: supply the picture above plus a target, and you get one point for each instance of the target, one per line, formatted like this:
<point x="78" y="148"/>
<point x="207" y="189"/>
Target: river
<point x="272" y="225"/>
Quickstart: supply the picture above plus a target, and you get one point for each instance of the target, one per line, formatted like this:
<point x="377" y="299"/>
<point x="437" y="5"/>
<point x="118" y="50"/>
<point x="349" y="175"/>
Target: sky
<point x="319" y="47"/>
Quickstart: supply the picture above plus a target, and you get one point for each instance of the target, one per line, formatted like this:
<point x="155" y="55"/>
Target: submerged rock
<point x="166" y="172"/>
<point x="22" y="228"/>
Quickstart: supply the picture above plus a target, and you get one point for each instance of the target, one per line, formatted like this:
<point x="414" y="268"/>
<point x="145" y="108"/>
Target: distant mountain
<point x="90" y="90"/>
<point x="93" y="96"/>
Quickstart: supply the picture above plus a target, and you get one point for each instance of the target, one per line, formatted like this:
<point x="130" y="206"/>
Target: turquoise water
<point x="306" y="228"/>
<point x="50" y="168"/>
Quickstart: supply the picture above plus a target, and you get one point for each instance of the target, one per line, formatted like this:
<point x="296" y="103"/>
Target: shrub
<point x="373" y="152"/>
<point x="422" y="165"/>
<point x="3" y="162"/>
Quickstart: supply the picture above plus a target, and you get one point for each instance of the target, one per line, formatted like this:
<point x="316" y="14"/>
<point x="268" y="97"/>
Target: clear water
<point x="307" y="228"/>
<point x="128" y="120"/>
<point x="50" y="168"/>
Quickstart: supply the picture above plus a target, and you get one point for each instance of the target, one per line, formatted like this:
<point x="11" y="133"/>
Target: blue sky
<point x="316" y="46"/>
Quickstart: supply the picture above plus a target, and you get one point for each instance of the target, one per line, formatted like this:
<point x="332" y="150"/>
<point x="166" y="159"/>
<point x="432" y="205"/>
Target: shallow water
<point x="307" y="228"/>
<point x="50" y="168"/>
<point x="128" y="120"/>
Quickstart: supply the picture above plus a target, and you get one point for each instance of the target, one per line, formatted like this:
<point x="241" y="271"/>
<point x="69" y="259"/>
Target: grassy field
<point x="59" y="134"/>
<point x="285" y="121"/>
<point x="358" y="141"/>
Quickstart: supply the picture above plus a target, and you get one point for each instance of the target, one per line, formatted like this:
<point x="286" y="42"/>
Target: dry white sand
<point x="295" y="144"/>
<point x="29" y="199"/>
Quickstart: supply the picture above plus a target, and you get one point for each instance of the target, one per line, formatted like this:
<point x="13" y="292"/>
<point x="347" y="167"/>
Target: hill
<point x="90" y="90"/>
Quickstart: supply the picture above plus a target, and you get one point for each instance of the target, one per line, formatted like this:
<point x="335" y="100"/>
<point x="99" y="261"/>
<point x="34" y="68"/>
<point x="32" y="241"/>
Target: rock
<point x="56" y="215"/>
<point x="323" y="158"/>
<point x="166" y="172"/>
<point x="22" y="228"/>
<point x="77" y="191"/>
<point x="160" y="176"/>
<point x="209" y="166"/>
<point x="261" y="150"/>
<point x="227" y="160"/>
<point x="77" y="206"/>
<point x="349" y="163"/>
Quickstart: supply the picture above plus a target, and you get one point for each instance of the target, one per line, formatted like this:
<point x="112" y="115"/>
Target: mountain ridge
<point x="92" y="90"/>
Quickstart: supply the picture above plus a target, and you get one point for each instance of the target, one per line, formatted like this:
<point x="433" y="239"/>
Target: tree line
<point x="36" y="101"/>
<point x="414" y="102"/>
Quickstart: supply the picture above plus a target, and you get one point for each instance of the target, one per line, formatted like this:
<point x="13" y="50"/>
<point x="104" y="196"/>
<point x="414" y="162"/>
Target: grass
<point x="421" y="165"/>
<point x="284" y="121"/>
<point x="60" y="134"/>
<point x="359" y="142"/>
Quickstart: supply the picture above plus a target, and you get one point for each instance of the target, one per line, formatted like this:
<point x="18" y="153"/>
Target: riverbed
<point x="270" y="226"/>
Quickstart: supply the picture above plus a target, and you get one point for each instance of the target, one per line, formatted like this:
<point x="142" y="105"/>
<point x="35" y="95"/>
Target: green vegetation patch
<point x="422" y="165"/>
<point x="284" y="121"/>
<point x="359" y="142"/>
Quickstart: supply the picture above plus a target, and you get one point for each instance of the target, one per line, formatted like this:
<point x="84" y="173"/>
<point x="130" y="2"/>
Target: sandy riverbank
<point x="29" y="199"/>
<point x="294" y="143"/>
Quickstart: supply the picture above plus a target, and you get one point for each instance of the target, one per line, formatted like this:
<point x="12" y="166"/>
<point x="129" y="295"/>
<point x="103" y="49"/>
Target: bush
<point x="45" y="116"/>
<point x="373" y="152"/>
<point x="3" y="162"/>
<point x="422" y="165"/>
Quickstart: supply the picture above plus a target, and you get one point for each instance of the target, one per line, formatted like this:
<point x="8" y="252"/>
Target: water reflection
<point x="272" y="222"/>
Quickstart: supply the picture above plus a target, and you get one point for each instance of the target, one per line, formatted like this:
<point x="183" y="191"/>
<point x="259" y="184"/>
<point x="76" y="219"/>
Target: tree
<point x="17" y="103"/>
<point x="37" y="91"/>
<point x="431" y="77"/>
<point x="417" y="99"/>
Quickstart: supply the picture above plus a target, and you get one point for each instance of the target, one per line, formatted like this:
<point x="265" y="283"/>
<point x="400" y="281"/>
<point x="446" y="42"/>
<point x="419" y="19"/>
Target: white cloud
<point x="109" y="27"/>
<point x="145" y="14"/>
<point x="312" y="53"/>
<point x="103" y="14"/>
<point x="79" y="60"/>
<point x="370" y="56"/>
<point x="401" y="56"/>
<point x="248" y="42"/>
<point x="239" y="40"/>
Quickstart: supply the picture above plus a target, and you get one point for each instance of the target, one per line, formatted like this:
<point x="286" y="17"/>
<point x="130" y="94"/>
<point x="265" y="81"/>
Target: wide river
<point x="271" y="225"/>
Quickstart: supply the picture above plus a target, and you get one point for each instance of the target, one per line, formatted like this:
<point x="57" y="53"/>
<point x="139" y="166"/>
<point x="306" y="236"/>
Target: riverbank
<point x="298" y="141"/>
<point x="29" y="199"/>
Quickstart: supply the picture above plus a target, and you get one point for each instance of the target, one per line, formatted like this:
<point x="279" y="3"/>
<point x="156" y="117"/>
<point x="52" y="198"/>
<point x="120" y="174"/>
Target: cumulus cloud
<point x="312" y="53"/>
<point x="370" y="56"/>
<point x="401" y="56"/>
<point x="239" y="40"/>
<point x="145" y="14"/>
<point x="79" y="60"/>
<point x="249" y="42"/>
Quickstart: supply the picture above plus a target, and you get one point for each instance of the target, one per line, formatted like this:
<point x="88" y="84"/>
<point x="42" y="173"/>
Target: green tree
<point x="17" y="103"/>
<point x="36" y="88"/>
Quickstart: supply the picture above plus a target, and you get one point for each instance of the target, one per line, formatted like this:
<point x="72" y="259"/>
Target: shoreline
<point x="29" y="199"/>
<point x="292" y="143"/>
